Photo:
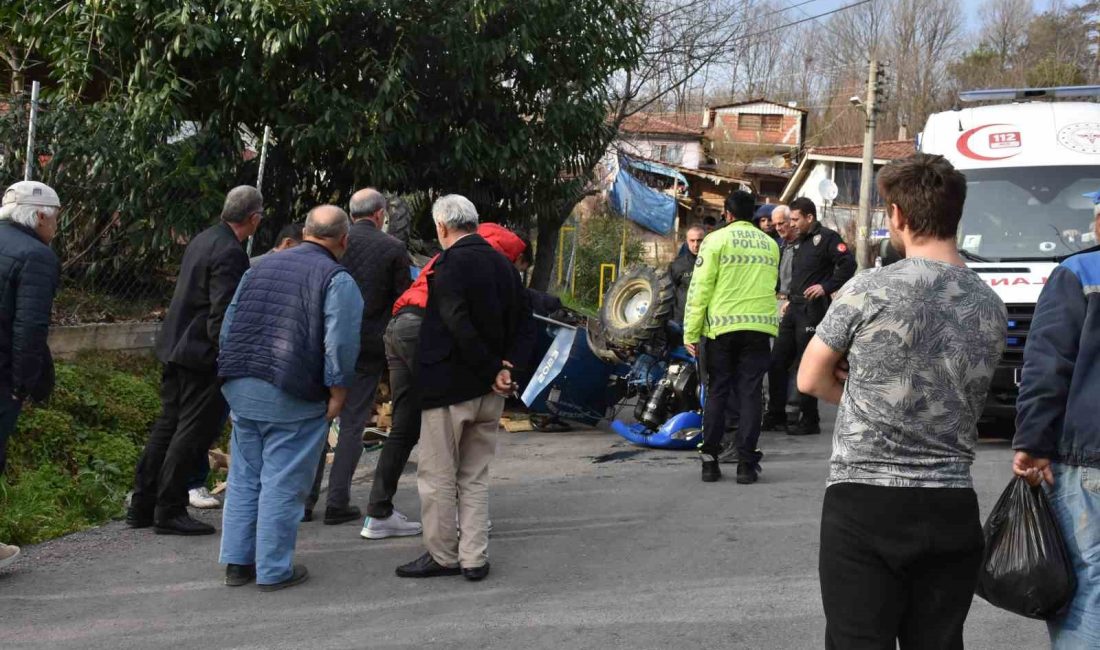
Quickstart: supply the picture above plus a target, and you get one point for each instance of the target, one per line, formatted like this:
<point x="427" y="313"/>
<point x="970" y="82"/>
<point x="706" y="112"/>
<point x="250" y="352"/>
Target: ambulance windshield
<point x="1028" y="213"/>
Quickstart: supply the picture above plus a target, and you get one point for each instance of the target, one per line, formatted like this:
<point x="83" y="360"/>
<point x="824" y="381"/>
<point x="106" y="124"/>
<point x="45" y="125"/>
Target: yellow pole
<point x="604" y="267"/>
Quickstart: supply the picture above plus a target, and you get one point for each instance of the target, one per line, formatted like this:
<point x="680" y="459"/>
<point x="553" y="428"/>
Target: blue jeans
<point x="1075" y="499"/>
<point x="269" y="477"/>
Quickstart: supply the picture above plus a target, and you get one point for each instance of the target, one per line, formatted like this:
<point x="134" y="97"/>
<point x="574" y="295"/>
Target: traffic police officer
<point x="821" y="264"/>
<point x="731" y="302"/>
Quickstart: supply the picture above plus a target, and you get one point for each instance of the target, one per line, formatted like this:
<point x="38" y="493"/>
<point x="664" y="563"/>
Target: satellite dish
<point x="828" y="189"/>
<point x="778" y="162"/>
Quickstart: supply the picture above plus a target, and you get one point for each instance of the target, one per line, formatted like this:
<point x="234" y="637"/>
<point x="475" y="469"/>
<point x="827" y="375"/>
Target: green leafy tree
<point x="502" y="101"/>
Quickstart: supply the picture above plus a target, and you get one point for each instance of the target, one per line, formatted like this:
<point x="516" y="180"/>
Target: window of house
<point x="670" y="153"/>
<point x="759" y="122"/>
<point x="846" y="176"/>
<point x="750" y="122"/>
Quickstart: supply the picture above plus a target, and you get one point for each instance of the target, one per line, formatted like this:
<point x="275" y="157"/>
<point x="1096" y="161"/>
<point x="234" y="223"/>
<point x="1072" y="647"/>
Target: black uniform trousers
<point x="736" y="364"/>
<point x="898" y="564"/>
<point x="796" y="328"/>
<point x="192" y="413"/>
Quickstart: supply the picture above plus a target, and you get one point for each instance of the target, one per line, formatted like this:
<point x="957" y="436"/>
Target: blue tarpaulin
<point x="647" y="207"/>
<point x="660" y="170"/>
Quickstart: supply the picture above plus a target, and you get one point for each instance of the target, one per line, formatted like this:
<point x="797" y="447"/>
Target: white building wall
<point x="645" y="147"/>
<point x="761" y="108"/>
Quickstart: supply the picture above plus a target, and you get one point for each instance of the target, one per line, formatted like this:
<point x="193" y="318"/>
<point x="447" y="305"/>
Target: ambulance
<point x="1029" y="158"/>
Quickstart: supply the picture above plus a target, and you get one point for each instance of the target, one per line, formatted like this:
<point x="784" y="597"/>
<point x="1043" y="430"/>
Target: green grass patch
<point x="71" y="460"/>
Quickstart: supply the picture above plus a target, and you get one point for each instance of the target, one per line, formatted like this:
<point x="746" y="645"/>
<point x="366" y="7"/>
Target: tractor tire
<point x="637" y="307"/>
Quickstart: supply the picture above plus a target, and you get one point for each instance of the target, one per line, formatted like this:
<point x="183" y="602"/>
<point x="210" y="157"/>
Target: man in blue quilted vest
<point x="288" y="349"/>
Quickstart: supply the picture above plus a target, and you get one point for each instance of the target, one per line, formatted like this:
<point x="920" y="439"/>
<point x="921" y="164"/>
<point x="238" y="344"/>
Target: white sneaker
<point x="201" y="498"/>
<point x="8" y="553"/>
<point x="396" y="525"/>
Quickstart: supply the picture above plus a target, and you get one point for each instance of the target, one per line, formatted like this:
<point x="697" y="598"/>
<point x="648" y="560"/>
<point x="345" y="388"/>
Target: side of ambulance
<point x="1028" y="166"/>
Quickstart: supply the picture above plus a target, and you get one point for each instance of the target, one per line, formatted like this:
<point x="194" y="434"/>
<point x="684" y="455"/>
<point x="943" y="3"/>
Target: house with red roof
<point x="824" y="168"/>
<point x="646" y="135"/>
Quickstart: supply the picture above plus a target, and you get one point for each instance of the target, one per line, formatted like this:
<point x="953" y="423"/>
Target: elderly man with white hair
<point x="473" y="330"/>
<point x="29" y="275"/>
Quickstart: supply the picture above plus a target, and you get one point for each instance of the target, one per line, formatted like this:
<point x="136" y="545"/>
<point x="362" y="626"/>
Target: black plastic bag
<point x="1025" y="567"/>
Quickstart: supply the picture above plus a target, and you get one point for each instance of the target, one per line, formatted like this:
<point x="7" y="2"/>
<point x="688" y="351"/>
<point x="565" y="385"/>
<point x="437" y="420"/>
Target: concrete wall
<point x="65" y="342"/>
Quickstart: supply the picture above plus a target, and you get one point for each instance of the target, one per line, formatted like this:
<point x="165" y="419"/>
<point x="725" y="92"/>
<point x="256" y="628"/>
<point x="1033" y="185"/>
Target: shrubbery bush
<point x="599" y="242"/>
<point x="71" y="461"/>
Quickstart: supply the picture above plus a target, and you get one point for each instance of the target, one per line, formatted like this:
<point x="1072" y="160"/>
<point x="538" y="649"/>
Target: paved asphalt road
<point x="631" y="552"/>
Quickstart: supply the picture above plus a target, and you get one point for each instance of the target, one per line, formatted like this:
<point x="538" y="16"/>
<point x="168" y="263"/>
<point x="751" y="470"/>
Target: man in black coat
<point x="380" y="265"/>
<point x="680" y="271"/>
<point x="821" y="263"/>
<point x="192" y="406"/>
<point x="29" y="275"/>
<point x="474" y="327"/>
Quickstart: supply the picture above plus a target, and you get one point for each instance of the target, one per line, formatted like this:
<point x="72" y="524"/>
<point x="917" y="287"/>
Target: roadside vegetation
<point x="599" y="241"/>
<point x="71" y="461"/>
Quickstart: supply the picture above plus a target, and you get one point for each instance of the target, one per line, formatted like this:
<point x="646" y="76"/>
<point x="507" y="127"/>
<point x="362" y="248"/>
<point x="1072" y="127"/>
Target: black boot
<point x="747" y="473"/>
<point x="805" y="428"/>
<point x="336" y="516"/>
<point x="476" y="573"/>
<point x="182" y="524"/>
<point x="711" y="471"/>
<point x="137" y="518"/>
<point x="297" y="577"/>
<point x="238" y="575"/>
<point x="425" y="566"/>
<point x="774" y="422"/>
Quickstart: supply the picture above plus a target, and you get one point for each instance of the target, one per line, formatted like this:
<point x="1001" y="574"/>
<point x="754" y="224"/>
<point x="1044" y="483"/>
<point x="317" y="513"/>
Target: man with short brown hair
<point x="908" y="352"/>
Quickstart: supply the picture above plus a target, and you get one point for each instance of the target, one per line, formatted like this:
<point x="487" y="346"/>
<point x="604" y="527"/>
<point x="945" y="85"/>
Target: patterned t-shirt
<point x="922" y="339"/>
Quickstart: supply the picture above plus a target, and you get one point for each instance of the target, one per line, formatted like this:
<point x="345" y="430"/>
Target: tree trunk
<point x="546" y="251"/>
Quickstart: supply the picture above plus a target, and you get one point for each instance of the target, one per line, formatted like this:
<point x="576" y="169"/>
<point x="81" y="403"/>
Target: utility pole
<point x="31" y="162"/>
<point x="867" y="175"/>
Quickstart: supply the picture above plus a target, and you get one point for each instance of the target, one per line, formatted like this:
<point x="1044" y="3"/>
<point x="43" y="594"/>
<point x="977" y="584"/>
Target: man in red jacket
<point x="402" y="338"/>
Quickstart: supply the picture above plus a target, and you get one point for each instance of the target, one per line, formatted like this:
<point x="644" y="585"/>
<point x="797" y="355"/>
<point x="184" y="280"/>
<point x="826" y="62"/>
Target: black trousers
<point x="192" y="413"/>
<point x="795" y="331"/>
<point x="898" y="565"/>
<point x="402" y="340"/>
<point x="736" y="361"/>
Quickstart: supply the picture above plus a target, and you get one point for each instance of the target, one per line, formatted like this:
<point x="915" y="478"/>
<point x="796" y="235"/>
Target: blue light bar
<point x="1016" y="94"/>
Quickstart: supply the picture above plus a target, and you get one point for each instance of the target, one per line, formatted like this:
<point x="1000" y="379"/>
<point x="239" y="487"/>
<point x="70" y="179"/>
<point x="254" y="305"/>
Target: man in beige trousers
<point x="474" y="325"/>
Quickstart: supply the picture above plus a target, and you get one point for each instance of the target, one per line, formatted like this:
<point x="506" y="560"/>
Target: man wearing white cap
<point x="29" y="275"/>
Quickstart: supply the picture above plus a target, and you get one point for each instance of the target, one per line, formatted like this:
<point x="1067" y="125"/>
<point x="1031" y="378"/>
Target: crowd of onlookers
<point x="287" y="343"/>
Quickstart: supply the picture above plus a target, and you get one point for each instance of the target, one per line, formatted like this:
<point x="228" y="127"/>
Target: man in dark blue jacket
<point x="29" y="275"/>
<point x="380" y="265"/>
<point x="288" y="349"/>
<point x="1058" y="432"/>
<point x="192" y="407"/>
<point x="474" y="328"/>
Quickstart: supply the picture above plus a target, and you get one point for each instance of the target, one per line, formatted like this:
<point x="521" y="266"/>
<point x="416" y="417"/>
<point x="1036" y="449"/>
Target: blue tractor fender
<point x="681" y="431"/>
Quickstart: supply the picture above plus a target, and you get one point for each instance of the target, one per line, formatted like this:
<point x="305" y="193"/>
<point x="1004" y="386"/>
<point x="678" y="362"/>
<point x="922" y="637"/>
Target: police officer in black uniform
<point x="680" y="270"/>
<point x="822" y="263"/>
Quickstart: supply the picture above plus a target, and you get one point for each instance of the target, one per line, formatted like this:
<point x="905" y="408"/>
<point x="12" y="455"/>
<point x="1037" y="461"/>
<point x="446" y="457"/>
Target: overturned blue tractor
<point x="630" y="361"/>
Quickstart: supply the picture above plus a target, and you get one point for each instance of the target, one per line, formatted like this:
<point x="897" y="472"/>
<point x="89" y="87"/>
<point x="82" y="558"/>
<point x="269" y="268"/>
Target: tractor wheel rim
<point x="636" y="306"/>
